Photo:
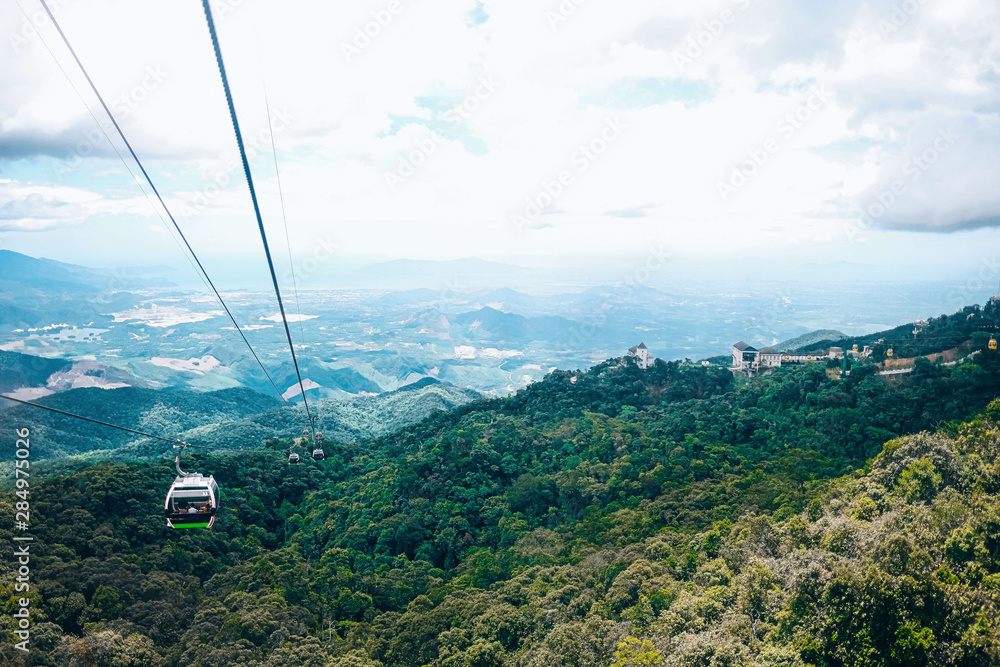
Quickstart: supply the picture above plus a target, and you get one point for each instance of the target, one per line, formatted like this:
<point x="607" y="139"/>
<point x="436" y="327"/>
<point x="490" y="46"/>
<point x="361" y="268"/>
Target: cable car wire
<point x="284" y="219"/>
<point x="96" y="421"/>
<point x="174" y="441"/>
<point x="281" y="196"/>
<point x="114" y="147"/>
<point x="157" y="193"/>
<point x="253" y="196"/>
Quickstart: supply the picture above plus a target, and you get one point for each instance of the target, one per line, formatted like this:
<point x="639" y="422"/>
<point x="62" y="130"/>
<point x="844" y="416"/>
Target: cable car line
<point x="157" y="193"/>
<point x="253" y="197"/>
<point x="174" y="441"/>
<point x="114" y="147"/>
<point x="284" y="218"/>
<point x="95" y="421"/>
<point x="281" y="196"/>
<point x="317" y="453"/>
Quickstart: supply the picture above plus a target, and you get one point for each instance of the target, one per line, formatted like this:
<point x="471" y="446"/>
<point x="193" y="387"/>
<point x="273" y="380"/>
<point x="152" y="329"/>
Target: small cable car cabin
<point x="293" y="458"/>
<point x="318" y="454"/>
<point x="192" y="501"/>
<point x="993" y="343"/>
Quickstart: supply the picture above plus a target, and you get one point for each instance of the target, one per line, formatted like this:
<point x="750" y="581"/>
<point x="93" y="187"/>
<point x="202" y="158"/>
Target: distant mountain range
<point x="810" y="339"/>
<point x="492" y="324"/>
<point x="38" y="292"/>
<point x="52" y="276"/>
<point x="231" y="418"/>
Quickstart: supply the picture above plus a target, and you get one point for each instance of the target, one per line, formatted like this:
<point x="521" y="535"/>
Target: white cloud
<point x="27" y="206"/>
<point x="350" y="121"/>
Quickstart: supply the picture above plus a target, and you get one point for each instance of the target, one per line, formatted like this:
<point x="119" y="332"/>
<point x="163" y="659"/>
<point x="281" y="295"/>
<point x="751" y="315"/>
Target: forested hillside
<point x="230" y="418"/>
<point x="23" y="370"/>
<point x="614" y="517"/>
<point x="158" y="412"/>
<point x="969" y="328"/>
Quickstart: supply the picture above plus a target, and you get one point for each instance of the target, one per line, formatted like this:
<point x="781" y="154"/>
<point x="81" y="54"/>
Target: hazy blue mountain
<point x="47" y="275"/>
<point x="427" y="320"/>
<point x="24" y="370"/>
<point x="509" y="297"/>
<point x="38" y="273"/>
<point x="409" y="297"/>
<point x="334" y="380"/>
<point x="39" y="292"/>
<point x="491" y="323"/>
<point x="357" y="339"/>
<point x="810" y="339"/>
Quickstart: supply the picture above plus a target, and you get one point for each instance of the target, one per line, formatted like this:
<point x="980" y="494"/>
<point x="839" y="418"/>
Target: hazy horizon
<point x="715" y="132"/>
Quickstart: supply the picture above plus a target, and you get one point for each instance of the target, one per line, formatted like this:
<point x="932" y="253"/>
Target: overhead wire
<point x="176" y="442"/>
<point x="114" y="147"/>
<point x="149" y="180"/>
<point x="281" y="196"/>
<point x="95" y="421"/>
<point x="256" y="206"/>
<point x="284" y="218"/>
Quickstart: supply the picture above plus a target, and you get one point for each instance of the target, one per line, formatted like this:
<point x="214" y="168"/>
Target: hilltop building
<point x="744" y="357"/>
<point x="643" y="357"/>
<point x="748" y="359"/>
<point x="769" y="357"/>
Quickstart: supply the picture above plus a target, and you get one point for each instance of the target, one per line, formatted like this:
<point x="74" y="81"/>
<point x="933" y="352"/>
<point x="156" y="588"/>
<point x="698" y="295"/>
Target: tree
<point x="632" y="651"/>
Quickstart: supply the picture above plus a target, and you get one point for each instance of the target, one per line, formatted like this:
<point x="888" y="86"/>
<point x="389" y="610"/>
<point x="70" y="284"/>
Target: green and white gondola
<point x="192" y="501"/>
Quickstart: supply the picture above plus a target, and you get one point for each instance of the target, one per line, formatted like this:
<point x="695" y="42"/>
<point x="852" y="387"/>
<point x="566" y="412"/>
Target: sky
<point x="532" y="132"/>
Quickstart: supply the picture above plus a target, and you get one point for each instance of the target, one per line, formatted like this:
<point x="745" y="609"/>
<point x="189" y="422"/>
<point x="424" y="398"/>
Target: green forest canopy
<point x="608" y="517"/>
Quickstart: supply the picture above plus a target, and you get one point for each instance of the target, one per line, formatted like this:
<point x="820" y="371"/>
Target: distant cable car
<point x="993" y="343"/>
<point x="293" y="458"/>
<point x="305" y="433"/>
<point x="855" y="347"/>
<point x="318" y="454"/>
<point x="888" y="352"/>
<point x="192" y="499"/>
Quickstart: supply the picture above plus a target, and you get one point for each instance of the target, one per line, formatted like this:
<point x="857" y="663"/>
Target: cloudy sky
<point x="525" y="131"/>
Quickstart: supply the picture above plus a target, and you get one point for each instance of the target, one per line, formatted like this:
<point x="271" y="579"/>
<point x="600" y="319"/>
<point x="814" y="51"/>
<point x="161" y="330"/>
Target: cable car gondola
<point x="318" y="454"/>
<point x="888" y="352"/>
<point x="192" y="500"/>
<point x="993" y="343"/>
<point x="293" y="458"/>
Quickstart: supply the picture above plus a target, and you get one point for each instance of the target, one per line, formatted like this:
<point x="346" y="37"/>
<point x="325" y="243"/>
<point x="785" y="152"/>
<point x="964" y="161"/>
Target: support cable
<point x="158" y="197"/>
<point x="174" y="441"/>
<point x="256" y="207"/>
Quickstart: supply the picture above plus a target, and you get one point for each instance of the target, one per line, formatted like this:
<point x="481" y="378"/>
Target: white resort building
<point x="643" y="357"/>
<point x="749" y="359"/>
